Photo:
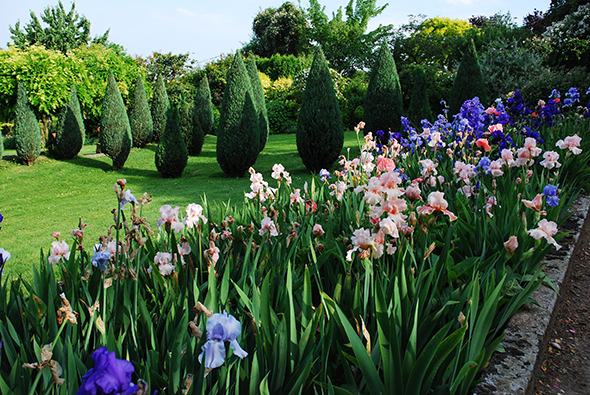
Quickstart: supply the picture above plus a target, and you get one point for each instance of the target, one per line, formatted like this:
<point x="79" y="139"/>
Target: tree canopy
<point x="64" y="31"/>
<point x="346" y="43"/>
<point x="281" y="30"/>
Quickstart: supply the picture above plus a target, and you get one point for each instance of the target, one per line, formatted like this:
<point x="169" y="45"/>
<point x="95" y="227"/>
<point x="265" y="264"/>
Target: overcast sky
<point x="206" y="29"/>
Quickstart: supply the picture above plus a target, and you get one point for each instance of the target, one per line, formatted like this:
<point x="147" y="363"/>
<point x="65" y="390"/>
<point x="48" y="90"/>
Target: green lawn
<point x="52" y="195"/>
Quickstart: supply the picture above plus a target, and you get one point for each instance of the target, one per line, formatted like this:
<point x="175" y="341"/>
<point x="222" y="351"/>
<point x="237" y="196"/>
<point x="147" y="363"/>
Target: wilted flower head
<point x="108" y="376"/>
<point x="221" y="328"/>
<point x="318" y="230"/>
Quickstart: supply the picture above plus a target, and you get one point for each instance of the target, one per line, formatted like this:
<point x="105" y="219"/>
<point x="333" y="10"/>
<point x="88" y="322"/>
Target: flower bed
<point x="395" y="274"/>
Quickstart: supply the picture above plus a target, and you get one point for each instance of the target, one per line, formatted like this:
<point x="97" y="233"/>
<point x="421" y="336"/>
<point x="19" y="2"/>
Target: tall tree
<point x="171" y="156"/>
<point x="346" y="43"/>
<point x="469" y="81"/>
<point x="159" y="108"/>
<point x="65" y="30"/>
<point x="419" y="106"/>
<point x="203" y="107"/>
<point x="115" y="133"/>
<point x="383" y="103"/>
<point x="320" y="133"/>
<point x="140" y="118"/>
<point x="280" y="30"/>
<point x="259" y="102"/>
<point x="69" y="135"/>
<point x="27" y="135"/>
<point x="237" y="136"/>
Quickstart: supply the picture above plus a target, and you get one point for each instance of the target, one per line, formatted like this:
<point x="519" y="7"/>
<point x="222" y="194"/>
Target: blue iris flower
<point x="221" y="328"/>
<point x="550" y="192"/>
<point x="324" y="174"/>
<point x="101" y="259"/>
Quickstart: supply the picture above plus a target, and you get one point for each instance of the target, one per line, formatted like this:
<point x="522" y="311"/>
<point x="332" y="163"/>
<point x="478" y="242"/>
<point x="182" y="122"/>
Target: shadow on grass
<point x="91" y="162"/>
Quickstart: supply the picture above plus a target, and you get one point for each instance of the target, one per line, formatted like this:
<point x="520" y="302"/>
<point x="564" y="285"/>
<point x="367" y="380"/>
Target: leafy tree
<point x="278" y="65"/>
<point x="320" y="133"/>
<point x="419" y="106"/>
<point x="280" y="30"/>
<point x="115" y="133"/>
<point x="259" y="102"/>
<point x="68" y="138"/>
<point x="65" y="30"/>
<point x="383" y="103"/>
<point x="431" y="41"/>
<point x="140" y="118"/>
<point x="203" y="108"/>
<point x="237" y="137"/>
<point x="169" y="66"/>
<point x="48" y="76"/>
<point x="346" y="44"/>
<point x="469" y="81"/>
<point x="159" y="108"/>
<point x="171" y="156"/>
<point x="27" y="135"/>
<point x="570" y="39"/>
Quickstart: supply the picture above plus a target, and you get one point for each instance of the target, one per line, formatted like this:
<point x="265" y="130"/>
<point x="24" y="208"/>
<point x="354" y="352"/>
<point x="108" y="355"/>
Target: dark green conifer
<point x="383" y="103"/>
<point x="27" y="135"/>
<point x="140" y="118"/>
<point x="160" y="104"/>
<point x="68" y="138"/>
<point x="195" y="135"/>
<point x="115" y="133"/>
<point x="469" y="81"/>
<point x="259" y="102"/>
<point x="237" y="137"/>
<point x="320" y="133"/>
<point x="171" y="156"/>
<point x="419" y="105"/>
<point x="1" y="145"/>
<point x="203" y="107"/>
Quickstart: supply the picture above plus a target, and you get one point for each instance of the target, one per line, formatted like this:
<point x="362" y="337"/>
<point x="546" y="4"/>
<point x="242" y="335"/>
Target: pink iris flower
<point x="546" y="229"/>
<point x="436" y="203"/>
<point x="572" y="143"/>
<point x="58" y="250"/>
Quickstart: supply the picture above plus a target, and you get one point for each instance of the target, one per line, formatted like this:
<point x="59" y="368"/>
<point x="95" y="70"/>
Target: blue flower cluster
<point x="550" y="193"/>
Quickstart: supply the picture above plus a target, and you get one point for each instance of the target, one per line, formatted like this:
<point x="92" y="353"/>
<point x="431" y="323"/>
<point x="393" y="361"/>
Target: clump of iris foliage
<point x="394" y="274"/>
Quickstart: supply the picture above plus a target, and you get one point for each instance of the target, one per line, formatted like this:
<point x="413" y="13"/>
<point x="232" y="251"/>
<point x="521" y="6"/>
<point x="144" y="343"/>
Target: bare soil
<point x="563" y="366"/>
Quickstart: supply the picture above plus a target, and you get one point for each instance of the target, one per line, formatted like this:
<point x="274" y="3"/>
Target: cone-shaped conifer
<point x="203" y="109"/>
<point x="115" y="133"/>
<point x="140" y="118"/>
<point x="68" y="138"/>
<point x="196" y="137"/>
<point x="27" y="135"/>
<point x="383" y="102"/>
<point x="1" y="145"/>
<point x="469" y="81"/>
<point x="320" y="133"/>
<point x="237" y="137"/>
<point x="160" y="104"/>
<point x="188" y="128"/>
<point x="171" y="156"/>
<point x="419" y="105"/>
<point x="259" y="102"/>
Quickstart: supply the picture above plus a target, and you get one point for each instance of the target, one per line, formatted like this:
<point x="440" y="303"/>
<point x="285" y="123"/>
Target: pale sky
<point x="206" y="29"/>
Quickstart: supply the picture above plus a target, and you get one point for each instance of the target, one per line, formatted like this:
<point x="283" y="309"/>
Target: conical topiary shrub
<point x="203" y="107"/>
<point x="68" y="138"/>
<point x="195" y="135"/>
<point x="140" y="118"/>
<point x="384" y="103"/>
<point x="171" y="155"/>
<point x="1" y="145"/>
<point x="115" y="133"/>
<point x="469" y="81"/>
<point x="159" y="108"/>
<point x="27" y="135"/>
<point x="320" y="133"/>
<point x="237" y="137"/>
<point x="419" y="105"/>
<point x="259" y="102"/>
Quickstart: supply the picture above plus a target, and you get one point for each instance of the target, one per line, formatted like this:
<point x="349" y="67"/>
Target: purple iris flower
<point x="109" y="376"/>
<point x="324" y="174"/>
<point x="550" y="192"/>
<point x="221" y="328"/>
<point x="128" y="198"/>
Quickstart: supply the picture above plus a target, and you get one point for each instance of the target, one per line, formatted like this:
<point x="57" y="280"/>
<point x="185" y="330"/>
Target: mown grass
<point x="52" y="196"/>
